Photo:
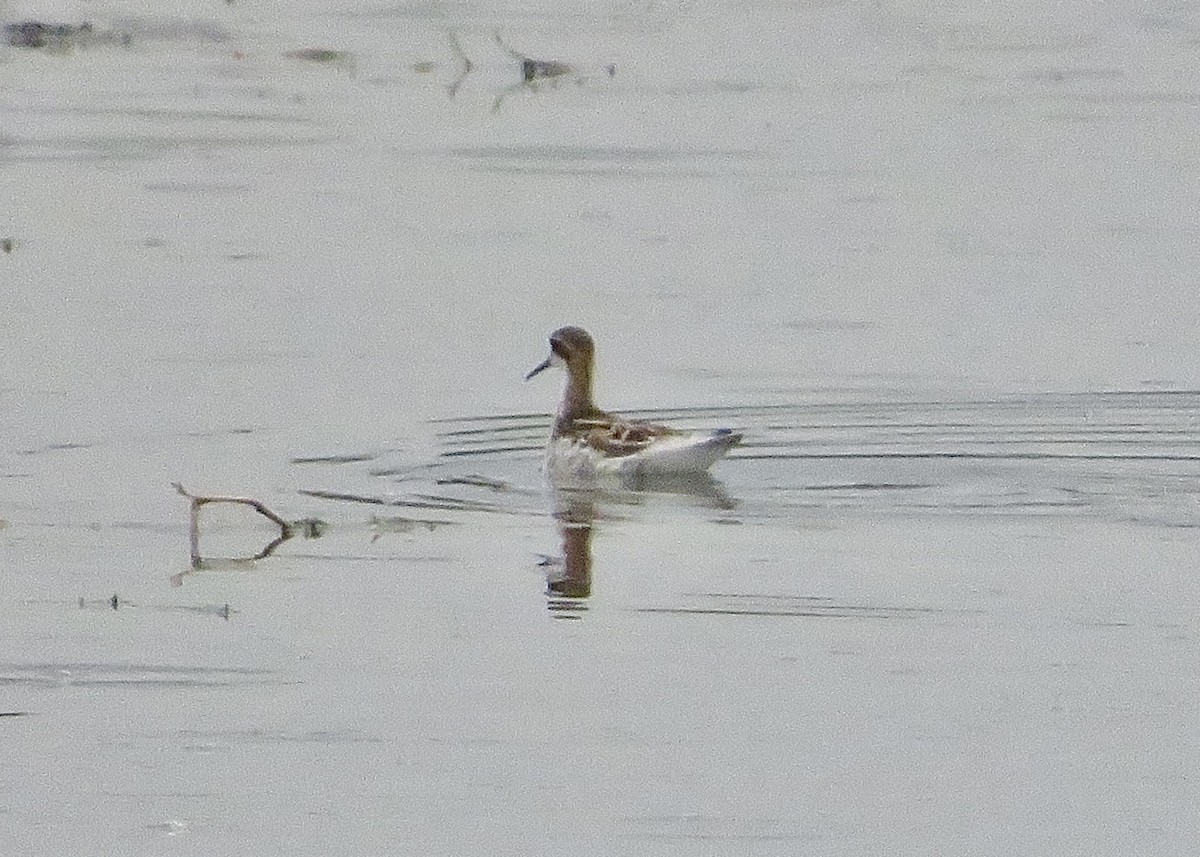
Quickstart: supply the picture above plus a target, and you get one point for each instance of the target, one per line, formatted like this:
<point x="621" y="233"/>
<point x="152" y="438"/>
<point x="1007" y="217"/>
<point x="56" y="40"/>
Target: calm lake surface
<point x="937" y="261"/>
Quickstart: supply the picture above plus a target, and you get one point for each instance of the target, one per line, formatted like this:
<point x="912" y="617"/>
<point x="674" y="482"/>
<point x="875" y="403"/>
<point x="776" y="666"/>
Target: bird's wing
<point x="614" y="436"/>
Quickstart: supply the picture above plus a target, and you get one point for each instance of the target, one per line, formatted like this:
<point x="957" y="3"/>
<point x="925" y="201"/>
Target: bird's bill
<point x="545" y="364"/>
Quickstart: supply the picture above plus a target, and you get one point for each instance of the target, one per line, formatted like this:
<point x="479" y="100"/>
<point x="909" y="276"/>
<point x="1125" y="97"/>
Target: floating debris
<point x="310" y="528"/>
<point x="36" y="34"/>
<point x="60" y="37"/>
<point x="115" y="602"/>
<point x="324" y="55"/>
<point x="398" y="525"/>
<point x="343" y="60"/>
<point x="534" y="71"/>
<point x="8" y="245"/>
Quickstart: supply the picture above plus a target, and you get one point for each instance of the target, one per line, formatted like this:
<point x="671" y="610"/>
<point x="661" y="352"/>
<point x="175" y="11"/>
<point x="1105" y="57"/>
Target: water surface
<point x="937" y="263"/>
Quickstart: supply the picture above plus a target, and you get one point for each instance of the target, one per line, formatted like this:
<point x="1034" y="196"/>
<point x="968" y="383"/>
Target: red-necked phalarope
<point x="587" y="441"/>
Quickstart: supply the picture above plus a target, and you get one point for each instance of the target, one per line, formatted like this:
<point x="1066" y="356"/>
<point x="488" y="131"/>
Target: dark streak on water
<point x="325" y="736"/>
<point x="334" y="459"/>
<point x="125" y="675"/>
<point x="807" y="606"/>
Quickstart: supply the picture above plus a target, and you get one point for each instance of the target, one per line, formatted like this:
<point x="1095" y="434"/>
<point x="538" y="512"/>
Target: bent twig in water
<point x="310" y="528"/>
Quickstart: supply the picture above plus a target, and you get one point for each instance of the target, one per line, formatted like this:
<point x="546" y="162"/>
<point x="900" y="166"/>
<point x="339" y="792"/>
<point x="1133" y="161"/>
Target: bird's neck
<point x="577" y="399"/>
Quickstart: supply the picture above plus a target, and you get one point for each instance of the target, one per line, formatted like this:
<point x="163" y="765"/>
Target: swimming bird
<point x="586" y="441"/>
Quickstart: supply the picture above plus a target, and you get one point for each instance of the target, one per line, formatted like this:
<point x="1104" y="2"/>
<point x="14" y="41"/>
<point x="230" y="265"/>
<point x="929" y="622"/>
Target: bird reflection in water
<point x="578" y="510"/>
<point x="569" y="576"/>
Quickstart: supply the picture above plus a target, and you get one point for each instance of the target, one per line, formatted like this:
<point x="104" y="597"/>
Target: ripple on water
<point x="1131" y="456"/>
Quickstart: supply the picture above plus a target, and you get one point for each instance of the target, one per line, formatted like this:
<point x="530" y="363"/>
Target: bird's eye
<point x="558" y="348"/>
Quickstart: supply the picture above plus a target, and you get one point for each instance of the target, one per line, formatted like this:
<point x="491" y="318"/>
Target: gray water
<point x="936" y="261"/>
